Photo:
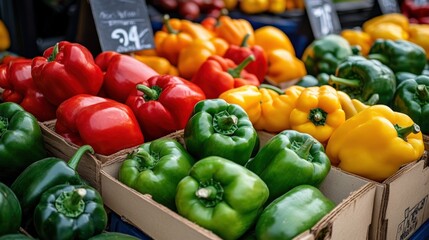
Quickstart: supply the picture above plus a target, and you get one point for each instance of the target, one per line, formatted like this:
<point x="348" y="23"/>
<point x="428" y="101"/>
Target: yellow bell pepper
<point x="230" y="4"/>
<point x="375" y="143"/>
<point x="159" y="64"/>
<point x="254" y="6"/>
<point x="277" y="6"/>
<point x="4" y="37"/>
<point x="268" y="107"/>
<point x="395" y="18"/>
<point x="284" y="67"/>
<point x="419" y="34"/>
<point x="359" y="38"/>
<point x="193" y="56"/>
<point x="318" y="112"/>
<point x="393" y="26"/>
<point x="350" y="106"/>
<point x="234" y="30"/>
<point x="271" y="38"/>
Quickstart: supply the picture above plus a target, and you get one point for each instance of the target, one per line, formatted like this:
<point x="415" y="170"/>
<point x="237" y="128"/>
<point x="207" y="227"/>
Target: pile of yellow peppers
<point x="261" y="6"/>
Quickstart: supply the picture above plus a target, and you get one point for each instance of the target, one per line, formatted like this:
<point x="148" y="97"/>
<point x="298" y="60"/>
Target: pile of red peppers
<point x="417" y="11"/>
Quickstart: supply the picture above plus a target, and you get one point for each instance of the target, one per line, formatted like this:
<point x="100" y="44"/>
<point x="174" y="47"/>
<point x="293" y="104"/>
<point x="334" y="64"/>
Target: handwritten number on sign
<point x="323" y="12"/>
<point x="125" y="37"/>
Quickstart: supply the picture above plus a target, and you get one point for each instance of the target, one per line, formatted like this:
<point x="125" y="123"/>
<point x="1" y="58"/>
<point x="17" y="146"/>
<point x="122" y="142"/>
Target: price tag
<point x="323" y="17"/>
<point x="388" y="6"/>
<point x="122" y="25"/>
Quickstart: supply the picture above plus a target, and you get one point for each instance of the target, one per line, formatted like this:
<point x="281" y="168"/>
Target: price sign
<point x="323" y="17"/>
<point x="388" y="6"/>
<point x="122" y="25"/>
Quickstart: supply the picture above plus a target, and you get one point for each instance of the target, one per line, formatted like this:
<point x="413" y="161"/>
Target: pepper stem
<point x="380" y="57"/>
<point x="53" y="54"/>
<point x="422" y="93"/>
<point x="245" y="40"/>
<point x="166" y="21"/>
<point x="373" y="99"/>
<point x="317" y="116"/>
<point x="149" y="93"/>
<point x="271" y="87"/>
<point x="225" y="123"/>
<point x="403" y="132"/>
<point x="71" y="204"/>
<point x="343" y="81"/>
<point x="236" y="72"/>
<point x="75" y="159"/>
<point x="145" y="160"/>
<point x="208" y="193"/>
<point x="304" y="150"/>
<point x="4" y="123"/>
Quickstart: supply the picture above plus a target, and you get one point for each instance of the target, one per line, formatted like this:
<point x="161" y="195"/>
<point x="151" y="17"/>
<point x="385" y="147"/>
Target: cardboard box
<point x="350" y="219"/>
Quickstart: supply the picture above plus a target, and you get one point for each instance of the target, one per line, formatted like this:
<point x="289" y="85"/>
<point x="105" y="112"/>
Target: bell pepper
<point x="290" y="159"/>
<point x="164" y="105"/>
<point x="15" y="236"/>
<point x="258" y="67"/>
<point x="254" y="6"/>
<point x="267" y="106"/>
<point x="65" y="70"/>
<point x="375" y="143"/>
<point x="412" y="98"/>
<point x="107" y="125"/>
<point x="195" y="30"/>
<point x="221" y="196"/>
<point x="399" y="55"/>
<point x="317" y="112"/>
<point x="324" y="55"/>
<point x="217" y="128"/>
<point x="351" y="106"/>
<point x="293" y="213"/>
<point x="402" y="76"/>
<point x="156" y="168"/>
<point x="70" y="212"/>
<point x="359" y="38"/>
<point x="392" y="26"/>
<point x="4" y="37"/>
<point x="284" y="67"/>
<point x="18" y="87"/>
<point x="277" y="6"/>
<point x="159" y="64"/>
<point x="121" y="74"/>
<point x="21" y="140"/>
<point x="369" y="81"/>
<point x="419" y="33"/>
<point x="218" y="74"/>
<point x="271" y="38"/>
<point x="418" y="10"/>
<point x="10" y="215"/>
<point x="112" y="236"/>
<point x="44" y="174"/>
<point x="233" y="30"/>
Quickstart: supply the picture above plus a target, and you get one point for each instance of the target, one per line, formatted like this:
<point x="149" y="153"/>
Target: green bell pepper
<point x="221" y="196"/>
<point x="217" y="128"/>
<point x="112" y="236"/>
<point x="21" y="141"/>
<point x="15" y="236"/>
<point x="293" y="213"/>
<point x="70" y="212"/>
<point x="399" y="55"/>
<point x="308" y="81"/>
<point x="156" y="168"/>
<point x="44" y="174"/>
<point x="289" y="159"/>
<point x="10" y="211"/>
<point x="323" y="55"/>
<point x="369" y="81"/>
<point x="412" y="98"/>
<point x="402" y="76"/>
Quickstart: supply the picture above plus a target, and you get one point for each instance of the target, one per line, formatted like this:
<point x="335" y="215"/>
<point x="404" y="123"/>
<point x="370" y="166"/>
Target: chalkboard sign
<point x="122" y="25"/>
<point x="323" y="17"/>
<point x="388" y="6"/>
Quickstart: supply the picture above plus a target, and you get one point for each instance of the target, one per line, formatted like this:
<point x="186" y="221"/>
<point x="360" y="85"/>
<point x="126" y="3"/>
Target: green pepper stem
<point x="380" y="57"/>
<point x="166" y="21"/>
<point x="53" y="54"/>
<point x="373" y="99"/>
<point x="343" y="81"/>
<point x="75" y="159"/>
<point x="245" y="40"/>
<point x="4" y="123"/>
<point x="145" y="160"/>
<point x="271" y="87"/>
<point x="304" y="150"/>
<point x="225" y="123"/>
<point x="150" y="94"/>
<point x="71" y="204"/>
<point x="317" y="116"/>
<point x="208" y="193"/>
<point x="403" y="132"/>
<point x="236" y="72"/>
<point x="422" y="92"/>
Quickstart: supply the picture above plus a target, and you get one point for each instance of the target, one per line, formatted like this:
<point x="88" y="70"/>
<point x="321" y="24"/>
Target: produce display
<point x="221" y="125"/>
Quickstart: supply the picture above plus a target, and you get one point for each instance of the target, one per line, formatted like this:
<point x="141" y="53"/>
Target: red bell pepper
<point x="122" y="74"/>
<point x="18" y="87"/>
<point x="65" y="70"/>
<point x="416" y="11"/>
<point x="164" y="105"/>
<point x="217" y="75"/>
<point x="107" y="125"/>
<point x="259" y="67"/>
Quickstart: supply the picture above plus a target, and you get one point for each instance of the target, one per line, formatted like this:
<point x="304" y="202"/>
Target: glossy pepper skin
<point x="220" y="129"/>
<point x="221" y="196"/>
<point x="267" y="106"/>
<point x="292" y="213"/>
<point x="375" y="143"/>
<point x="272" y="38"/>
<point x="399" y="55"/>
<point x="217" y="75"/>
<point x="15" y="236"/>
<point x="164" y="105"/>
<point x="156" y="168"/>
<point x="107" y="125"/>
<point x="412" y="98"/>
<point x="366" y="80"/>
<point x="21" y="140"/>
<point x="121" y="74"/>
<point x="233" y="30"/>
<point x="10" y="215"/>
<point x="283" y="67"/>
<point x="44" y="174"/>
<point x="113" y="236"/>
<point x="317" y="112"/>
<point x="290" y="159"/>
<point x="358" y="38"/>
<point x="325" y="54"/>
<point x="70" y="212"/>
<point x="419" y="33"/>
<point x="65" y="70"/>
<point x="18" y="87"/>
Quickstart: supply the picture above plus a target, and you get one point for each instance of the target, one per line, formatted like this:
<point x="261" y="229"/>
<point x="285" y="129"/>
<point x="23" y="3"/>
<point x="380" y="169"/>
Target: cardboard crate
<point x="426" y="141"/>
<point x="350" y="219"/>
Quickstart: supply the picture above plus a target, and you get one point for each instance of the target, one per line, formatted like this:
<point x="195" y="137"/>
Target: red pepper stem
<point x="71" y="204"/>
<point x="244" y="43"/>
<point x="170" y="29"/>
<point x="236" y="72"/>
<point x="208" y="193"/>
<point x="422" y="92"/>
<point x="75" y="159"/>
<point x="343" y="81"/>
<point x="380" y="57"/>
<point x="150" y="94"/>
<point x="53" y="54"/>
<point x="304" y="150"/>
<point x="403" y="132"/>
